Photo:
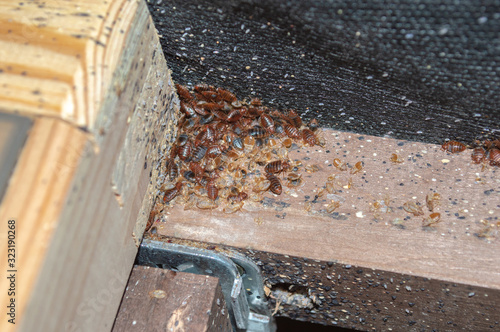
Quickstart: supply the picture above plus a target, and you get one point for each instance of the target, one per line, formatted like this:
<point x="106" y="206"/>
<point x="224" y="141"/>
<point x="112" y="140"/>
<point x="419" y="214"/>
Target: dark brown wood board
<point x="163" y="300"/>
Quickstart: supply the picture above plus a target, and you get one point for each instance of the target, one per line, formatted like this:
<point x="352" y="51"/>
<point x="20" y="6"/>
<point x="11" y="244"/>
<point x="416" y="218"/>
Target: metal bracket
<point x="239" y="277"/>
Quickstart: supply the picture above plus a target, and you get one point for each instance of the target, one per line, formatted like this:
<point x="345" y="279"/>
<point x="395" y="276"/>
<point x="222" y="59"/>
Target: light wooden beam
<point x="92" y="77"/>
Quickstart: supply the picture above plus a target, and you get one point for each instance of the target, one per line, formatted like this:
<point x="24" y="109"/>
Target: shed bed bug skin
<point x="432" y="201"/>
<point x="433" y="219"/>
<point x="453" y="147"/>
<point x="413" y="208"/>
<point x="397" y="159"/>
<point x="358" y="167"/>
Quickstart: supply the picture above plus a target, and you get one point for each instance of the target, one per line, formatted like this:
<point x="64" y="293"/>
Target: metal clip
<point x="239" y="277"/>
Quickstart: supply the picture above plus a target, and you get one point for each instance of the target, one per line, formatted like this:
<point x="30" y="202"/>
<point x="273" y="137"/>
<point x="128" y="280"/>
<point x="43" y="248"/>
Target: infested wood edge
<point x="157" y="299"/>
<point x="64" y="266"/>
<point x="351" y="234"/>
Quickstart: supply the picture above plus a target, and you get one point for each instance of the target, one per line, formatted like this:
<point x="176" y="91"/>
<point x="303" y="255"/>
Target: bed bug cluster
<point x="484" y="152"/>
<point x="228" y="151"/>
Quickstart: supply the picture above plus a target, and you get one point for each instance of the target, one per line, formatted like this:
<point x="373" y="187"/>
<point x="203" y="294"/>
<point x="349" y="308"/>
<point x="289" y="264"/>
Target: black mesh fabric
<point x="418" y="70"/>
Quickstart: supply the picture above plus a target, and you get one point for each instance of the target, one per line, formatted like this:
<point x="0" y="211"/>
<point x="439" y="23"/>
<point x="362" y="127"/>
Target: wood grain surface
<point x="94" y="79"/>
<point x="164" y="300"/>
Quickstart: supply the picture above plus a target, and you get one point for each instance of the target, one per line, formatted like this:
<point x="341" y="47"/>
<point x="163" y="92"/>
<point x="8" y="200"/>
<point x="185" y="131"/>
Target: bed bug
<point x="203" y="87"/>
<point x="294" y="119"/>
<point x="313" y="124"/>
<point x="413" y="208"/>
<point x="183" y="93"/>
<point x="433" y="219"/>
<point x="494" y="157"/>
<point x="275" y="184"/>
<point x="432" y="201"/>
<point x="184" y="151"/>
<point x="215" y="150"/>
<point x="279" y="130"/>
<point x="255" y="102"/>
<point x="172" y="193"/>
<point x="187" y="109"/>
<point x="209" y="96"/>
<point x="220" y="115"/>
<point x="358" y="167"/>
<point x="478" y="155"/>
<point x="291" y="131"/>
<point x="207" y="119"/>
<point x="196" y="169"/>
<point x="234" y="115"/>
<point x="277" y="166"/>
<point x="267" y="123"/>
<point x="182" y="139"/>
<point x="453" y="147"/>
<point x="309" y="137"/>
<point x="395" y="158"/>
<point x="172" y="169"/>
<point x="212" y="107"/>
<point x="258" y="132"/>
<point x="199" y="152"/>
<point x="212" y="190"/>
<point x="238" y="144"/>
<point x="226" y="95"/>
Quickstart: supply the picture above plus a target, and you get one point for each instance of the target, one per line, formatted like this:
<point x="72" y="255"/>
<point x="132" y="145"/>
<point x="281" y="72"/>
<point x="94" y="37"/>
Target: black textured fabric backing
<point x="418" y="70"/>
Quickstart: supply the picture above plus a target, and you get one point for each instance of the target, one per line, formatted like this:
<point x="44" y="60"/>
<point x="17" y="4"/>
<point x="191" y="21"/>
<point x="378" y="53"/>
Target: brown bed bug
<point x="209" y="96"/>
<point x="203" y="87"/>
<point x="172" y="193"/>
<point x="220" y="115"/>
<point x="212" y="107"/>
<point x="309" y="137"/>
<point x="494" y="157"/>
<point x="172" y="169"/>
<point x="291" y="131"/>
<point x="256" y="102"/>
<point x="184" y="151"/>
<point x="187" y="109"/>
<point x="258" y="132"/>
<point x="267" y="123"/>
<point x="275" y="184"/>
<point x="234" y="115"/>
<point x="183" y="93"/>
<point x="199" y="153"/>
<point x="313" y="124"/>
<point x="215" y="150"/>
<point x="212" y="190"/>
<point x="277" y="166"/>
<point x="294" y="118"/>
<point x="226" y="95"/>
<point x="453" y="147"/>
<point x="478" y="155"/>
<point x="196" y="169"/>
